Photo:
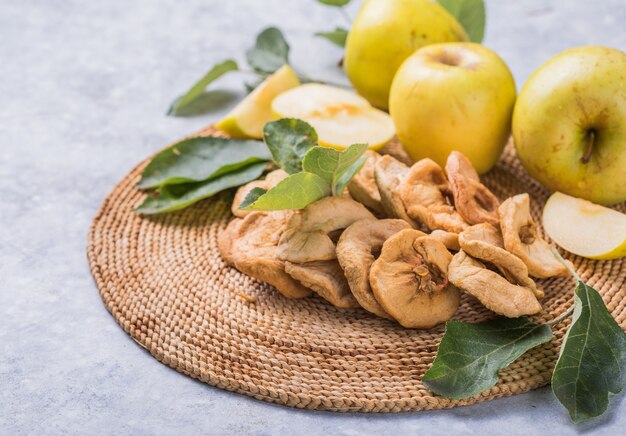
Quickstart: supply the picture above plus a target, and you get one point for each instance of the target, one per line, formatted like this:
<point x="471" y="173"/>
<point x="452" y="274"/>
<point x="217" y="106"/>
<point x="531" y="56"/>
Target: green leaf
<point x="337" y="36"/>
<point x="198" y="159"/>
<point x="270" y="52"/>
<point x="294" y="192"/>
<point x="252" y="196"/>
<point x="470" y="355"/>
<point x="592" y="363"/>
<point x="471" y="15"/>
<point x="334" y="166"/>
<point x="289" y="139"/>
<point x="337" y="3"/>
<point x="173" y="197"/>
<point x="198" y="88"/>
<point x="347" y="175"/>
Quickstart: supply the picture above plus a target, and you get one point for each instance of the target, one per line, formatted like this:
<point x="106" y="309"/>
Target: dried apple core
<point x="429" y="277"/>
<point x="527" y="233"/>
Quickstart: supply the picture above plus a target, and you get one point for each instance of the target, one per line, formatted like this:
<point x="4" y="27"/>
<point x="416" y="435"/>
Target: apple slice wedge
<point x="340" y="117"/>
<point x="585" y="228"/>
<point x="247" y="119"/>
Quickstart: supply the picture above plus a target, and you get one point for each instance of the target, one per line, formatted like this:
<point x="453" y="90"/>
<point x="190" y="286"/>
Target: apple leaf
<point x="289" y="139"/>
<point x="470" y="355"/>
<point x="198" y="159"/>
<point x="337" y="3"/>
<point x="337" y="36"/>
<point x="198" y="88"/>
<point x="174" y="197"/>
<point x="470" y="14"/>
<point x="334" y="166"/>
<point x="252" y="196"/>
<point x="294" y="192"/>
<point x="592" y="362"/>
<point x="270" y="52"/>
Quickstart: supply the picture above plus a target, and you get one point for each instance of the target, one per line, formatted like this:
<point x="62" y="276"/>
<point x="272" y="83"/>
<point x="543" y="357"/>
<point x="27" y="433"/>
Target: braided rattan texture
<point x="164" y="282"/>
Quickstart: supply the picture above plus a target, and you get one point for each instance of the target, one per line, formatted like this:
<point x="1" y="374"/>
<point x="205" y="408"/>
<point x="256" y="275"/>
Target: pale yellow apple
<point x="247" y="119"/>
<point x="385" y="33"/>
<point x="340" y="117"/>
<point x="453" y="96"/>
<point x="569" y="124"/>
<point x="585" y="228"/>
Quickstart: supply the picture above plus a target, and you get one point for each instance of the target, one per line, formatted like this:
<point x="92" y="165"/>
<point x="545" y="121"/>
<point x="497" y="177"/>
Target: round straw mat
<point x="164" y="282"/>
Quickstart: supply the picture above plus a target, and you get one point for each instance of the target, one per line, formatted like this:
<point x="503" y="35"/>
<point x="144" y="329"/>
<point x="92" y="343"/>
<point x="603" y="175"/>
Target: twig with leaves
<point x="271" y="50"/>
<point x="591" y="364"/>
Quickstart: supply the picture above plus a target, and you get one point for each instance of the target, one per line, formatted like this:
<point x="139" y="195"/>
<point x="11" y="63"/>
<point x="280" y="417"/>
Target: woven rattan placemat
<point x="164" y="282"/>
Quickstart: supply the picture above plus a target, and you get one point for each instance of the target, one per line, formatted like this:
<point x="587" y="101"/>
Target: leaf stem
<point x="561" y="317"/>
<point x="564" y="262"/>
<point x="570" y="310"/>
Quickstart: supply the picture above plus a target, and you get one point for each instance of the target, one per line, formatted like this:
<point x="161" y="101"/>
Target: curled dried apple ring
<point x="522" y="239"/>
<point x="409" y="280"/>
<point x="389" y="173"/>
<point x="363" y="185"/>
<point x="326" y="279"/>
<point x="472" y="199"/>
<point x="250" y="245"/>
<point x="358" y="247"/>
<point x="449" y="239"/>
<point x="484" y="242"/>
<point x="495" y="292"/>
<point x="426" y="195"/>
<point x="312" y="232"/>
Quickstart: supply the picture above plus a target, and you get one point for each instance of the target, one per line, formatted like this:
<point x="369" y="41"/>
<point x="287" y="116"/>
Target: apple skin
<point x="385" y="33"/>
<point x="576" y="92"/>
<point x="453" y="96"/>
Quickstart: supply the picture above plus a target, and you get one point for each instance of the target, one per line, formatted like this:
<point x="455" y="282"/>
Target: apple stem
<point x="591" y="137"/>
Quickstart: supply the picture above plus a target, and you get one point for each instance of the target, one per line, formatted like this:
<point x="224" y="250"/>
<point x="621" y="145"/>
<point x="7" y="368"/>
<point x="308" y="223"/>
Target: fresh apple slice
<point x="585" y="228"/>
<point x="247" y="119"/>
<point x="340" y="117"/>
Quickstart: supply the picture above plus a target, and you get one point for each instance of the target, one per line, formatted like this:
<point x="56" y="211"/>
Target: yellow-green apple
<point x="569" y="124"/>
<point x="385" y="33"/>
<point x="453" y="96"/>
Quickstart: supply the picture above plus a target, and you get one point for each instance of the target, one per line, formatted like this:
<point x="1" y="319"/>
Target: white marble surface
<point x="84" y="87"/>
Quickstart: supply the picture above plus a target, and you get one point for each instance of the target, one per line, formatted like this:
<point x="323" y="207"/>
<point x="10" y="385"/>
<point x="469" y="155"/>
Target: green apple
<point x="569" y="124"/>
<point x="385" y="33"/>
<point x="247" y="119"/>
<point x="585" y="228"/>
<point x="453" y="96"/>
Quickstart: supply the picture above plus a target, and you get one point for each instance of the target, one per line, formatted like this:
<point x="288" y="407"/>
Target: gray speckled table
<point x="84" y="88"/>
